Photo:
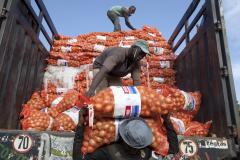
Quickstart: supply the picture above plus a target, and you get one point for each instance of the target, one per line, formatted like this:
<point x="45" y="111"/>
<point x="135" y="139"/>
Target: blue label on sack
<point x="129" y="90"/>
<point x="193" y="103"/>
<point x="135" y="111"/>
<point x="129" y="105"/>
<point x="132" y="90"/>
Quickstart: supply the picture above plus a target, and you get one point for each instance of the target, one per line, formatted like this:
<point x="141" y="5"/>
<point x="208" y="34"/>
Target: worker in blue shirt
<point x="118" y="11"/>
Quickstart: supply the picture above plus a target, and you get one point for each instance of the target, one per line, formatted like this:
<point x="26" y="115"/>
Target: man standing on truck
<point x="117" y="62"/>
<point x="135" y="137"/>
<point x="118" y="11"/>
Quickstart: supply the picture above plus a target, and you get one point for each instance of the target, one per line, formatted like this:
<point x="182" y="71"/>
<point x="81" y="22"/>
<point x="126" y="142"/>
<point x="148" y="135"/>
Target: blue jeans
<point x="115" y="20"/>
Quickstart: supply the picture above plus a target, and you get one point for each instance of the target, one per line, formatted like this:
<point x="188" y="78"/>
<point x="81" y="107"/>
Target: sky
<point x="74" y="17"/>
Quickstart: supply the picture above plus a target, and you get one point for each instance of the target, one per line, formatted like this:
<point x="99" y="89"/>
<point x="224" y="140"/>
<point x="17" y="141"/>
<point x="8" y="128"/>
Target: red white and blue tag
<point x="127" y="101"/>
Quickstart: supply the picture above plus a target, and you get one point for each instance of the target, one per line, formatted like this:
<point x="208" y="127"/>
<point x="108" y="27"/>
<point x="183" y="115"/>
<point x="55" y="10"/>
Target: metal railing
<point x="43" y="14"/>
<point x="184" y="22"/>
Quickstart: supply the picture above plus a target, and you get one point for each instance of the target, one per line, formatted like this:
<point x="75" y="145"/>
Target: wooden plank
<point x="34" y="76"/>
<point x="42" y="64"/>
<point x="7" y="64"/>
<point x="217" y="90"/>
<point x="28" y="70"/>
<point x="11" y="79"/>
<point x="203" y="84"/>
<point x="32" y="67"/>
<point x="22" y="59"/>
<point x="196" y="77"/>
<point x="7" y="33"/>
<point x="21" y="85"/>
<point x="178" y="66"/>
<point x="188" y="70"/>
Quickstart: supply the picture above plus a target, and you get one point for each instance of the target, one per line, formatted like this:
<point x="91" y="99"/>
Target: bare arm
<point x="127" y="22"/>
<point x="136" y="76"/>
<point x="108" y="65"/>
<point x="96" y="81"/>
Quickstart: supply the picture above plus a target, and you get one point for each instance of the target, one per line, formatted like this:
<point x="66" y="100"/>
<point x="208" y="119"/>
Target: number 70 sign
<point x="22" y="143"/>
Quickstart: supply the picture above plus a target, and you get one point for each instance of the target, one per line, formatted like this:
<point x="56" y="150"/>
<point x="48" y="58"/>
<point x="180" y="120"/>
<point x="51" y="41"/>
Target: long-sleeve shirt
<point x="117" y="62"/>
<point x="119" y="10"/>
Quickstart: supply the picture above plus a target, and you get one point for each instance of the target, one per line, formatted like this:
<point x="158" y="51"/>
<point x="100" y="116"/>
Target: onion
<point x="98" y="139"/>
<point x="102" y="134"/>
<point x="108" y="109"/>
<point x="92" y="142"/>
<point x="98" y="106"/>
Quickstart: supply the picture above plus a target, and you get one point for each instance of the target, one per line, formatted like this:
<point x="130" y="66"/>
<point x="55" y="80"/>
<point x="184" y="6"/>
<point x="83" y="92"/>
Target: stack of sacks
<point x="65" y="78"/>
<point x="147" y="103"/>
<point x="160" y="64"/>
<point x="81" y="50"/>
<point x="50" y="110"/>
<point x="69" y="75"/>
<point x="158" y="68"/>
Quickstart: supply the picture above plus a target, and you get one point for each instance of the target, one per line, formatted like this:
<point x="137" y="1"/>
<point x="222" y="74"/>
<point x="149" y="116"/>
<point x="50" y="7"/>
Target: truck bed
<point x="203" y="64"/>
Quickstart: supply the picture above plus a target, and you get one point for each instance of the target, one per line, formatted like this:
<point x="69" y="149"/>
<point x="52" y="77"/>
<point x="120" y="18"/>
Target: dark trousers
<point x="115" y="20"/>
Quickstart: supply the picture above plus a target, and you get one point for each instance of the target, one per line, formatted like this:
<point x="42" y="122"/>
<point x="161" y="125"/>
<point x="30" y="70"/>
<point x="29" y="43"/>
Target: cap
<point x="136" y="132"/>
<point x="143" y="45"/>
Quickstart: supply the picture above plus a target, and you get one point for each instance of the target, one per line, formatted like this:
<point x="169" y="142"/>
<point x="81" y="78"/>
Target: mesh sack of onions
<point x="67" y="121"/>
<point x="36" y="102"/>
<point x="36" y="120"/>
<point x="190" y="128"/>
<point x="130" y="101"/>
<point x="64" y="102"/>
<point x="105" y="131"/>
<point x="195" y="128"/>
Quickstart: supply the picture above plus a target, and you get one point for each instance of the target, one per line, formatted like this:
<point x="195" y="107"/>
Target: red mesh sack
<point x="36" y="120"/>
<point x="64" y="102"/>
<point x="197" y="129"/>
<point x="67" y="121"/>
<point x="168" y="99"/>
<point x="36" y="102"/>
<point x="104" y="132"/>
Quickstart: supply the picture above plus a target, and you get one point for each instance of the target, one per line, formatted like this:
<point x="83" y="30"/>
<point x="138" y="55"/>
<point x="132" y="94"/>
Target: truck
<point x="203" y="64"/>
